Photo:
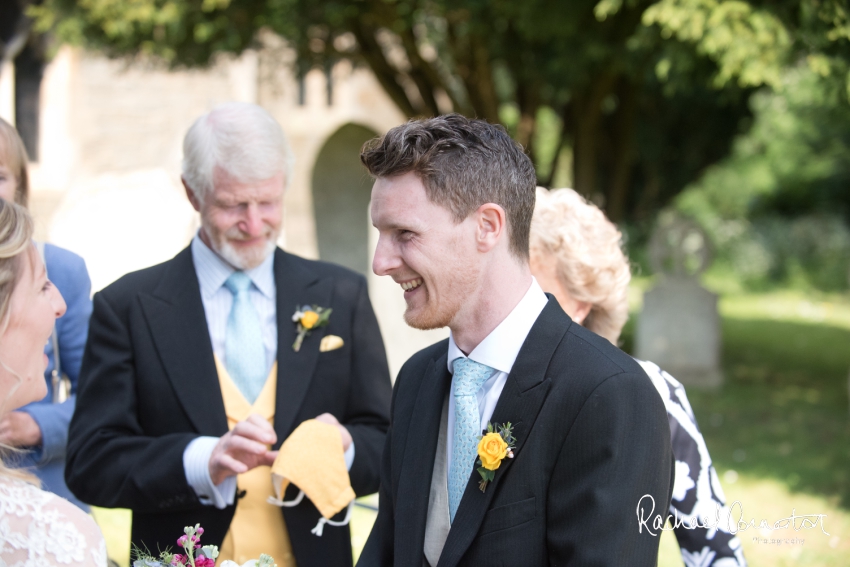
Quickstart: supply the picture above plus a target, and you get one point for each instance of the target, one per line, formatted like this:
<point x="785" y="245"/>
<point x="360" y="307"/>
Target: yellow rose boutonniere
<point x="491" y="450"/>
<point x="307" y="318"/>
<point x="493" y="447"/>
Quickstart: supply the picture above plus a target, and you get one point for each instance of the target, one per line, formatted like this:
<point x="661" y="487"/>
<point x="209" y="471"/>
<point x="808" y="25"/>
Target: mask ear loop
<point x="286" y="503"/>
<point x="320" y="527"/>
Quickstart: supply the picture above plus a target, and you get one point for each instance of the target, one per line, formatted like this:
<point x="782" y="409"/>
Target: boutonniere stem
<point x="307" y="318"/>
<point x="494" y="446"/>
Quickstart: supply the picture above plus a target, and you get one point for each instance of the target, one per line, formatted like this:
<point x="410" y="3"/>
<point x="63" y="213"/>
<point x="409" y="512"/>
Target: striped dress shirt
<point x="212" y="272"/>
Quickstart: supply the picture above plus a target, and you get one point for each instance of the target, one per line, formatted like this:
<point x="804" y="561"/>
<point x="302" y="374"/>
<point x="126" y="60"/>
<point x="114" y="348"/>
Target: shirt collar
<point x="213" y="271"/>
<point x="500" y="348"/>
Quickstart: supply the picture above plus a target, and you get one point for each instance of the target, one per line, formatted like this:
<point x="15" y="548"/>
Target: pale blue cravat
<point x="244" y="356"/>
<point x="469" y="376"/>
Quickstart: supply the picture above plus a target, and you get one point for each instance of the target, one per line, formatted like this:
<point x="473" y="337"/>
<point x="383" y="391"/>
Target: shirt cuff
<point x="196" y="463"/>
<point x="349" y="456"/>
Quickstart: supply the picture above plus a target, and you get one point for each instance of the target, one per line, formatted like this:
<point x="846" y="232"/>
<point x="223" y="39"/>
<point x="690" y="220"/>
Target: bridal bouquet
<point x="194" y="555"/>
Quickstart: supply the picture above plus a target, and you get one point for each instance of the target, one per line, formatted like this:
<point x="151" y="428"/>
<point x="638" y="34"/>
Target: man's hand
<point x="19" y="429"/>
<point x="331" y="420"/>
<point x="243" y="448"/>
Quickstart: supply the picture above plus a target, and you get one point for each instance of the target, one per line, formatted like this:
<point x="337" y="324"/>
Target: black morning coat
<point x="592" y="439"/>
<point x="148" y="387"/>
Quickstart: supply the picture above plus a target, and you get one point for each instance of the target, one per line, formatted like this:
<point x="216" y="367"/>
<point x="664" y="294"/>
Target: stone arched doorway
<point x="341" y="193"/>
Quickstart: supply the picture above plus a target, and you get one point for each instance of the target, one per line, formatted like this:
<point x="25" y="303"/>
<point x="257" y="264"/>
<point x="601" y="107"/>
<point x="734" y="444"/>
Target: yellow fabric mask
<point x="312" y="459"/>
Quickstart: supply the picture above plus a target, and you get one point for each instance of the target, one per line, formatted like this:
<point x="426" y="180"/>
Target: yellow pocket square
<point x="330" y="342"/>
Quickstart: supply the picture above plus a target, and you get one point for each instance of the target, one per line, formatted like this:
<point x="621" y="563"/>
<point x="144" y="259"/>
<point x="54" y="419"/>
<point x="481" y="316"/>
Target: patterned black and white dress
<point x="697" y="494"/>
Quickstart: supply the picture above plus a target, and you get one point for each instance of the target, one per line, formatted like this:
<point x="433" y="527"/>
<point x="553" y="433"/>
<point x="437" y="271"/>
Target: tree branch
<point x="387" y="75"/>
<point x="624" y="121"/>
<point x="587" y="113"/>
<point x="476" y="73"/>
<point x="418" y="73"/>
<point x="429" y="71"/>
<point x="10" y="48"/>
<point x="559" y="148"/>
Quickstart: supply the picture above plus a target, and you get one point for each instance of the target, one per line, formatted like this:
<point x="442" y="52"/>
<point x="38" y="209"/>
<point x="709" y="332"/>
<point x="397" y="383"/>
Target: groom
<point x="452" y="202"/>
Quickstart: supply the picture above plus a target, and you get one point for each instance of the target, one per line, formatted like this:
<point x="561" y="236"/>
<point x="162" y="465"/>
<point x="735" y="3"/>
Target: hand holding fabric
<point x="331" y="420"/>
<point x="243" y="448"/>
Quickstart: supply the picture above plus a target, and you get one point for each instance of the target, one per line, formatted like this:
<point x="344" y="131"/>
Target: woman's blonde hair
<point x="13" y="155"/>
<point x="16" y="229"/>
<point x="587" y="249"/>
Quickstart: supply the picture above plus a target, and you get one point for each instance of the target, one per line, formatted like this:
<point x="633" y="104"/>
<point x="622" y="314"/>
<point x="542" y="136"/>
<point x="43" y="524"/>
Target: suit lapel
<point x="296" y="285"/>
<point x="178" y="324"/>
<point x="520" y="402"/>
<point x="414" y="483"/>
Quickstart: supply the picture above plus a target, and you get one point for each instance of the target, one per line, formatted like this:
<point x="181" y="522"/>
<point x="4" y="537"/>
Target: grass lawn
<point x="778" y="430"/>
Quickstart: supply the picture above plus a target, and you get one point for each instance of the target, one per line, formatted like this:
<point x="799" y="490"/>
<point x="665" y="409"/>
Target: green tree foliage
<point x="636" y="97"/>
<point x="778" y="207"/>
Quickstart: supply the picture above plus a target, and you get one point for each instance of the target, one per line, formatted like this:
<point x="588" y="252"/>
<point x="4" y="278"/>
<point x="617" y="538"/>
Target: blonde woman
<point x="41" y="428"/>
<point x="577" y="256"/>
<point x="37" y="528"/>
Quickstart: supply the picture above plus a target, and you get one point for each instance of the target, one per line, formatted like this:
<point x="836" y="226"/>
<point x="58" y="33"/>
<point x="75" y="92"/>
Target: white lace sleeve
<point x="40" y="529"/>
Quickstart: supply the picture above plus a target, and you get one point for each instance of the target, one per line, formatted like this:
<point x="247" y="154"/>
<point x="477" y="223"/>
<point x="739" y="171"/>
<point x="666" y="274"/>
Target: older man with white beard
<point x="195" y="370"/>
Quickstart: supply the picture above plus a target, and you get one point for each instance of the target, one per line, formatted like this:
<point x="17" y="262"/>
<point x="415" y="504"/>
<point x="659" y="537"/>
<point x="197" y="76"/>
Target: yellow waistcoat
<point x="257" y="526"/>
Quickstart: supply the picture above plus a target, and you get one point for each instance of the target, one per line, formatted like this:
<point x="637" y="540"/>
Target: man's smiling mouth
<point x="411" y="285"/>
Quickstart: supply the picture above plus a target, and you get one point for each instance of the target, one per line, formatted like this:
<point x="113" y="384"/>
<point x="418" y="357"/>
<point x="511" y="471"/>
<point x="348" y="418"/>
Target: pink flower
<point x="204" y="562"/>
<point x="178" y="559"/>
<point x="181" y="541"/>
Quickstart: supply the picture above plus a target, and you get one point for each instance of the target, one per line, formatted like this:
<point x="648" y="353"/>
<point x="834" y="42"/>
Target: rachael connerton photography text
<point x="724" y="519"/>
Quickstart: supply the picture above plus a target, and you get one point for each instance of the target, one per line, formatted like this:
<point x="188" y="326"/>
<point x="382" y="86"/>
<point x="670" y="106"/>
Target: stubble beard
<point x="434" y="315"/>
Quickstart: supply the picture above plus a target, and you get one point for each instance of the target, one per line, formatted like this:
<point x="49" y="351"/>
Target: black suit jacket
<point x="591" y="439"/>
<point x="148" y="387"/>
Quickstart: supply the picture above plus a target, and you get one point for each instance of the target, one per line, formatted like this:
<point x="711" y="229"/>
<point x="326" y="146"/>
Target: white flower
<point x="210" y="551"/>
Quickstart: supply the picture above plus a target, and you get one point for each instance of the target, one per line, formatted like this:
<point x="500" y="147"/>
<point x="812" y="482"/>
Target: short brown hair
<point x="14" y="155"/>
<point x="463" y="163"/>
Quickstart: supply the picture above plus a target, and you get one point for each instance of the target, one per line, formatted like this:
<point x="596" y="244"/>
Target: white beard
<point x="245" y="260"/>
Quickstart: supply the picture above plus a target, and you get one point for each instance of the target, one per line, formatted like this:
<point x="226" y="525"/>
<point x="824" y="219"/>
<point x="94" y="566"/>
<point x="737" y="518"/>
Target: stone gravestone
<point x="679" y="327"/>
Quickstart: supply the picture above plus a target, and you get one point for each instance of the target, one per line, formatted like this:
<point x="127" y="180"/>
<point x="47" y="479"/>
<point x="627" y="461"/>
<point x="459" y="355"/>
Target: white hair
<point x="242" y="139"/>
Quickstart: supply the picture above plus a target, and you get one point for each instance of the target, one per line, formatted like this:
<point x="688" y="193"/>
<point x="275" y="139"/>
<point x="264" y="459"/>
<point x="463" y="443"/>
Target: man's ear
<point x="190" y="194"/>
<point x="492" y="224"/>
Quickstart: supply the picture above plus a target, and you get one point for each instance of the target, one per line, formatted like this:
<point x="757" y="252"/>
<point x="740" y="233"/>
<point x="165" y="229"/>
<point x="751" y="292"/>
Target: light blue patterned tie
<point x="469" y="376"/>
<point x="244" y="355"/>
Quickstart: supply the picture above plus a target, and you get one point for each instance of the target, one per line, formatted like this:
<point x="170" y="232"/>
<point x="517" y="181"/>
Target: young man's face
<point x="432" y="257"/>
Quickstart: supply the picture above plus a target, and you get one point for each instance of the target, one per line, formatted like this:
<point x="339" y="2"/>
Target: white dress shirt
<point x="212" y="272"/>
<point x="498" y="350"/>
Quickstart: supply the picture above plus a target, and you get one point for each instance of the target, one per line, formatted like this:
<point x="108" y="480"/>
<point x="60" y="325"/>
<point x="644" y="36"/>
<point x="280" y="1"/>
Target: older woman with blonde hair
<point x="577" y="256"/>
<point x="37" y="528"/>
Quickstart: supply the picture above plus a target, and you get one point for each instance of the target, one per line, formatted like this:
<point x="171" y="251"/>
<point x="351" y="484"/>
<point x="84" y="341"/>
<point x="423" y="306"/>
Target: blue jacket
<point x="68" y="273"/>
